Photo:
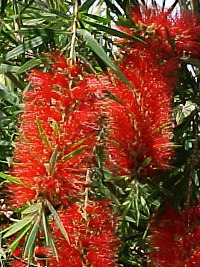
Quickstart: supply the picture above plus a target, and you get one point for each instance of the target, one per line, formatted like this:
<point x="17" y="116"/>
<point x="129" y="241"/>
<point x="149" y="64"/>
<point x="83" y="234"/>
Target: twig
<point x="193" y="160"/>
<point x="72" y="54"/>
<point x="163" y="5"/>
<point x="174" y="5"/>
<point x="17" y="23"/>
<point x="86" y="195"/>
<point x="25" y="262"/>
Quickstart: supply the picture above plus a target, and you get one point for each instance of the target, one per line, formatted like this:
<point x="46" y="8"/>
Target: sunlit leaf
<point x="28" y="65"/>
<point x="32" y="209"/>
<point x="52" y="161"/>
<point x="58" y="221"/>
<point x="114" y="32"/>
<point x="74" y="153"/>
<point x="99" y="51"/>
<point x="15" y="243"/>
<point x="35" y="42"/>
<point x="43" y="134"/>
<point x="31" y="241"/>
<point x="5" y="68"/>
<point x="48" y="239"/>
<point x="12" y="179"/>
<point x="19" y="225"/>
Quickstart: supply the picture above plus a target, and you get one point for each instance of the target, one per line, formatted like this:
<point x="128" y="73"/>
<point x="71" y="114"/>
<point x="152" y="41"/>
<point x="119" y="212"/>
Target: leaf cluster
<point x="28" y="30"/>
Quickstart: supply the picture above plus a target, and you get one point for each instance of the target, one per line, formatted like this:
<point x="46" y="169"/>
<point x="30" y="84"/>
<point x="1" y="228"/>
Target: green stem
<point x="72" y="54"/>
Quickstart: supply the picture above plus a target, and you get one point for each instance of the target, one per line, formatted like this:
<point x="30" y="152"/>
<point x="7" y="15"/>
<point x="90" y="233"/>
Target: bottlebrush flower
<point x="168" y="35"/>
<point x="40" y="257"/>
<point x="18" y="263"/>
<point x="56" y="140"/>
<point x="175" y="238"/>
<point x="151" y="119"/>
<point x="151" y="69"/>
<point x="92" y="236"/>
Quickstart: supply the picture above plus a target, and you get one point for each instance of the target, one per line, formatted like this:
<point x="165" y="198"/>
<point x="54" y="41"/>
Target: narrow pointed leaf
<point x="52" y="162"/>
<point x="58" y="221"/>
<point x="15" y="243"/>
<point x="33" y="22"/>
<point x="113" y="97"/>
<point x="48" y="238"/>
<point x="35" y="42"/>
<point x="7" y="95"/>
<point x="114" y="32"/>
<point x="43" y="134"/>
<point x="19" y="225"/>
<point x="12" y="179"/>
<point x="113" y="7"/>
<point x="31" y="241"/>
<point x="98" y="18"/>
<point x="5" y="68"/>
<point x="28" y="65"/>
<point x="86" y="5"/>
<point x="192" y="61"/>
<point x="99" y="51"/>
<point x="146" y="162"/>
<point x="32" y="209"/>
<point x="78" y="143"/>
<point x="74" y="153"/>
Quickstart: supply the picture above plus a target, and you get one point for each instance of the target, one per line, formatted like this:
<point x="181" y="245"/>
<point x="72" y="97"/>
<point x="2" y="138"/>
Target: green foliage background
<point x="28" y="30"/>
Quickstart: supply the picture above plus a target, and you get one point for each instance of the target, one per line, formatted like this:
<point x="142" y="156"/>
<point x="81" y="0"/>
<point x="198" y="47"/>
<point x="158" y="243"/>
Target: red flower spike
<point x="175" y="238"/>
<point x="47" y="131"/>
<point x="18" y="263"/>
<point x="151" y="69"/>
<point x="168" y="35"/>
<point x="92" y="241"/>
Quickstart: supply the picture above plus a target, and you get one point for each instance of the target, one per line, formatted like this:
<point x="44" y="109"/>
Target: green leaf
<point x="126" y="22"/>
<point x="192" y="61"/>
<point x="58" y="221"/>
<point x="73" y="154"/>
<point x="12" y="179"/>
<point x="7" y="95"/>
<point x="129" y="219"/>
<point x="115" y="32"/>
<point x="31" y="241"/>
<point x="86" y="5"/>
<point x="32" y="209"/>
<point x="48" y="239"/>
<point x="15" y="243"/>
<point x="113" y="7"/>
<point x="97" y="18"/>
<point x="118" y="178"/>
<point x="3" y="5"/>
<point x="43" y="134"/>
<point x="5" y="68"/>
<point x="113" y="97"/>
<point x="8" y="36"/>
<point x="46" y="232"/>
<point x="19" y="225"/>
<point x="143" y="201"/>
<point x="99" y="51"/>
<point x="28" y="65"/>
<point x="146" y="162"/>
<point x="52" y="161"/>
<point x="33" y="22"/>
<point x="35" y="42"/>
<point x="127" y="205"/>
<point x="78" y="143"/>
